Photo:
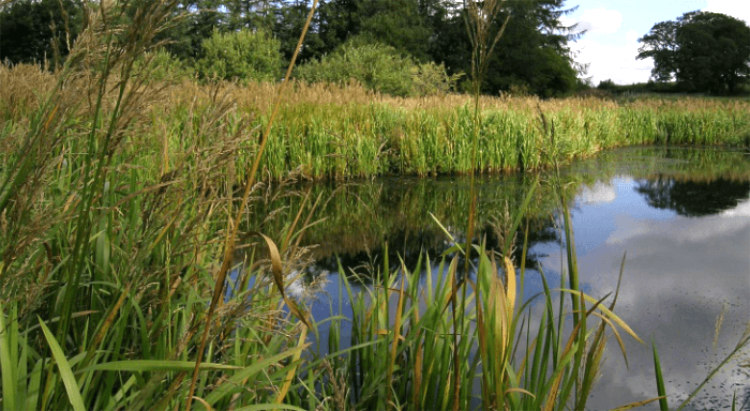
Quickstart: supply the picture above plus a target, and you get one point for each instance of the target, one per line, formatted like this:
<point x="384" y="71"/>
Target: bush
<point x="163" y="66"/>
<point x="430" y="78"/>
<point x="242" y="56"/>
<point x="379" y="68"/>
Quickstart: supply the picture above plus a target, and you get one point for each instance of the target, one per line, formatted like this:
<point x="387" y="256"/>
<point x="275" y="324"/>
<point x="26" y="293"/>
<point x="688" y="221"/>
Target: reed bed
<point x="111" y="232"/>
<point x="401" y="351"/>
<point x="330" y="132"/>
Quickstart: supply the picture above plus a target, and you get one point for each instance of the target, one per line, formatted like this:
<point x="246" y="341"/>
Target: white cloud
<point x="600" y="21"/>
<point x="599" y="193"/>
<point x="735" y="8"/>
<point x="615" y="61"/>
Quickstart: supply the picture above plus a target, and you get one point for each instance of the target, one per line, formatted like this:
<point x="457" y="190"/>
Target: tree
<point x="703" y="51"/>
<point x="378" y="67"/>
<point x="34" y="31"/>
<point x="396" y="23"/>
<point x="241" y="55"/>
<point x="532" y="54"/>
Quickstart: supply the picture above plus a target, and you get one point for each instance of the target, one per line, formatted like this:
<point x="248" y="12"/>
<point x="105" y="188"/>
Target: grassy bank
<point x="339" y="133"/>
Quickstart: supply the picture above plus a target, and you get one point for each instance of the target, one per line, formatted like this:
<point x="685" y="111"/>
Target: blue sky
<point x="613" y="27"/>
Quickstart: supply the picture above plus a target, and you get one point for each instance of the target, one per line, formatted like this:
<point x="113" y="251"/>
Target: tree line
<point x="430" y="35"/>
<point x="401" y="47"/>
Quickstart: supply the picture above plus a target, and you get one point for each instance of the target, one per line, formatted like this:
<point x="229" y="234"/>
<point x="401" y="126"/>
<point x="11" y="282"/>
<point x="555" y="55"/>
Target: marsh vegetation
<point x="152" y="228"/>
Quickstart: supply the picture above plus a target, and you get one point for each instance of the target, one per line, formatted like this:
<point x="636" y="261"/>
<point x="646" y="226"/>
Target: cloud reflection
<point x="679" y="276"/>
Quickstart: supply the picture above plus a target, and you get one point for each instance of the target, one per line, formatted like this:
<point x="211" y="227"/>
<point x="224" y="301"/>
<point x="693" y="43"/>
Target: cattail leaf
<point x="66" y="374"/>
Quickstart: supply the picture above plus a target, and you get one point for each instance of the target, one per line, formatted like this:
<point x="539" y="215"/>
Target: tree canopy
<point x="702" y="51"/>
<point x="34" y="31"/>
<point x="532" y="56"/>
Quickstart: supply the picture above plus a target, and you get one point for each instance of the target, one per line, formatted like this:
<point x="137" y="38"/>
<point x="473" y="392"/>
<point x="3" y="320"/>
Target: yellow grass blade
<point x="290" y="374"/>
<point x="637" y="404"/>
<point x="607" y="313"/>
<point x="510" y="275"/>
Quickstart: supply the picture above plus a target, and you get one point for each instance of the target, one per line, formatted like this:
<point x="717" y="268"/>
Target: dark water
<point x="682" y="216"/>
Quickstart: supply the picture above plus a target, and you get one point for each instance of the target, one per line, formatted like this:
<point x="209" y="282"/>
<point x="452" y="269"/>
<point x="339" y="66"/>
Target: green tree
<point x="32" y="31"/>
<point x="532" y="54"/>
<point x="194" y="21"/>
<point x="378" y="67"/>
<point x="703" y="51"/>
<point x="396" y="23"/>
<point x="289" y="19"/>
<point x="242" y="55"/>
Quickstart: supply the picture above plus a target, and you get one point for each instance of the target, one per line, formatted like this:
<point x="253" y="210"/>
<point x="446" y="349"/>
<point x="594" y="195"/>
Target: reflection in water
<point x="692" y="198"/>
<point x="682" y="269"/>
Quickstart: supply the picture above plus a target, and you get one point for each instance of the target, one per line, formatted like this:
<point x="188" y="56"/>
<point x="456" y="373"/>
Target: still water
<point x="681" y="215"/>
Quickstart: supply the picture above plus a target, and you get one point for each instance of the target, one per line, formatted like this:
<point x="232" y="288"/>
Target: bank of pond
<point x="117" y="200"/>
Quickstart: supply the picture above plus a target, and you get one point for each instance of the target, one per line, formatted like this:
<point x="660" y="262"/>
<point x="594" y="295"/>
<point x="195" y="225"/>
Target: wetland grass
<point x="119" y="196"/>
<point x="110" y="238"/>
<point x="330" y="132"/>
<point x="513" y="355"/>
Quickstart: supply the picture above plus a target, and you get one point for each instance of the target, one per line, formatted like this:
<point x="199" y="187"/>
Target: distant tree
<point x="532" y="55"/>
<point x="35" y="30"/>
<point x="400" y="24"/>
<point x="703" y="51"/>
<point x="693" y="199"/>
<point x="288" y="23"/>
<point x="194" y="21"/>
<point x="241" y="55"/>
<point x="378" y="67"/>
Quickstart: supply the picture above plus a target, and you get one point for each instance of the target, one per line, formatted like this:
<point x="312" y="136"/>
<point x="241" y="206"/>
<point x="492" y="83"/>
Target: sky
<point x="610" y="44"/>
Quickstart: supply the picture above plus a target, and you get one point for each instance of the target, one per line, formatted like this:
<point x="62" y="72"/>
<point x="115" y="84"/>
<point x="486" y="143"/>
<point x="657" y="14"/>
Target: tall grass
<point x="113" y="220"/>
<point x="327" y="132"/>
<point x="513" y="355"/>
<point x="122" y="202"/>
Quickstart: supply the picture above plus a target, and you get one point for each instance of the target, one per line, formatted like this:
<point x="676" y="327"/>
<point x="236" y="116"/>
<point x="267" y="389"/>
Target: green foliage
<point x="402" y="24"/>
<point x="532" y="54"/>
<point x="161" y="65"/>
<point x="431" y="78"/>
<point x="379" y="68"/>
<point x="32" y="31"/>
<point x="703" y="51"/>
<point x="243" y="56"/>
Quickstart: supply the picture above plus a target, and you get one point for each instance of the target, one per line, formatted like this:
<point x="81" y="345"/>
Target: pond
<point x="681" y="215"/>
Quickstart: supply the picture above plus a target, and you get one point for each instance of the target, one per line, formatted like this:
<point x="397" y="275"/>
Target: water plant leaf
<point x="519" y="215"/>
<point x="157" y="365"/>
<point x="278" y="278"/>
<point x="261" y="407"/>
<point x="661" y="391"/>
<point x="295" y="359"/>
<point x="510" y="275"/>
<point x="237" y="379"/>
<point x="6" y="365"/>
<point x="638" y="404"/>
<point x="612" y="316"/>
<point x="66" y="374"/>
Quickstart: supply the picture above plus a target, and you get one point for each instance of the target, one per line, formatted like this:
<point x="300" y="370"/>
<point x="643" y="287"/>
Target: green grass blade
<point x="7" y="366"/>
<point x="259" y="407"/>
<point x="157" y="365"/>
<point x="660" y="390"/>
<point x="66" y="374"/>
<point x="236" y="380"/>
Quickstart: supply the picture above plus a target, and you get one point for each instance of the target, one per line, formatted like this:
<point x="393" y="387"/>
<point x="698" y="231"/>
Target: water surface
<point x="681" y="215"/>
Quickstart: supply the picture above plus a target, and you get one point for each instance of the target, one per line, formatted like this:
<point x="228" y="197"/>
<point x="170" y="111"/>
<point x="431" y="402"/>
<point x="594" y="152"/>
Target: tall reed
<point x="112" y="221"/>
<point x="517" y="352"/>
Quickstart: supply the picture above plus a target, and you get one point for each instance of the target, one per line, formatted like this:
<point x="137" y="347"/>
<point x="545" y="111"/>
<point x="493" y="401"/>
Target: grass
<point x="327" y="132"/>
<point x="402" y="350"/>
<point x="121" y="200"/>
